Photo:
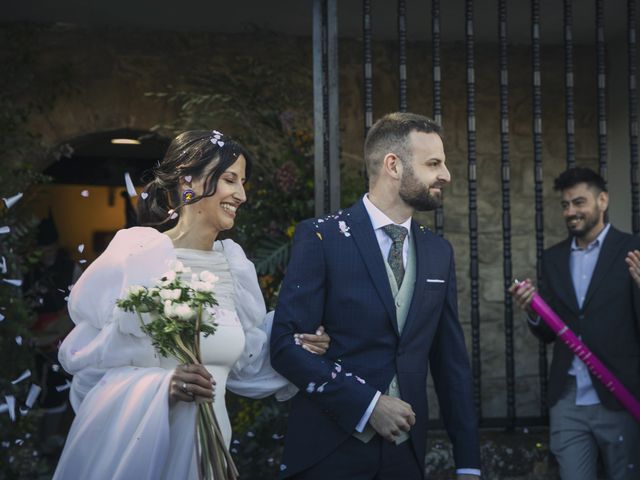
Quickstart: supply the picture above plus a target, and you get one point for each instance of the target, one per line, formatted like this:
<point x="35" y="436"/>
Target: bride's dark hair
<point x="192" y="154"/>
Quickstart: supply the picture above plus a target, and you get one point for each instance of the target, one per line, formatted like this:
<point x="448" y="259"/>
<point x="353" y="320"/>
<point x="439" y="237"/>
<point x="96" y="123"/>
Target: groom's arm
<point x="342" y="395"/>
<point x="453" y="381"/>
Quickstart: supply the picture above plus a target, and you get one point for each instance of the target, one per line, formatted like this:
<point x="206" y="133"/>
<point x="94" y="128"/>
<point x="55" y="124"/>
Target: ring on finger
<point x="184" y="389"/>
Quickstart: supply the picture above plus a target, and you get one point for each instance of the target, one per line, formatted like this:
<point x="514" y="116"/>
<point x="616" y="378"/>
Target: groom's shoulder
<point x="336" y="223"/>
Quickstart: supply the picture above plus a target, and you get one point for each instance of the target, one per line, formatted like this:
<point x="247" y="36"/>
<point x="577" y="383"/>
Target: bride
<point x="135" y="410"/>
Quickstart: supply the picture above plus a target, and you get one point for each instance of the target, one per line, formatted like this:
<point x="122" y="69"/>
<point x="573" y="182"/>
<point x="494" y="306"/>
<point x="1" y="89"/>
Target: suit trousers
<point x="376" y="460"/>
<point x="580" y="433"/>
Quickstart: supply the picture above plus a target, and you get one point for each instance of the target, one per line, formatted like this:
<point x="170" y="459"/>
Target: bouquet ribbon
<point x="602" y="373"/>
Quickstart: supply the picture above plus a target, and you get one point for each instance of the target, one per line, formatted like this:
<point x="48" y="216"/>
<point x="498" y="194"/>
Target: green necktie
<point x="397" y="235"/>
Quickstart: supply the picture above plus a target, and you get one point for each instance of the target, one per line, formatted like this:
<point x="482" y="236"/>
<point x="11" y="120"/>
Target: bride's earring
<point x="188" y="195"/>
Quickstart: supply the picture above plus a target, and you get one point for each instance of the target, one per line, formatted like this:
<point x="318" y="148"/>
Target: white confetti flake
<point x="321" y="387"/>
<point x="81" y="248"/>
<point x="5" y="229"/>
<point x="55" y="367"/>
<point x="251" y="434"/>
<point x="13" y="281"/>
<point x="23" y="411"/>
<point x="348" y="374"/>
<point x="11" y="406"/>
<point x="360" y="380"/>
<point x="3" y="265"/>
<point x="6" y="444"/>
<point x="338" y="367"/>
<point x="236" y="442"/>
<point x="19" y="340"/>
<point x="63" y="387"/>
<point x="188" y="178"/>
<point x="144" y="195"/>
<point x="82" y="261"/>
<point x="1" y="317"/>
<point x="283" y="467"/>
<point x="19" y="441"/>
<point x="311" y="387"/>
<point x="334" y="375"/>
<point x="84" y="193"/>
<point x="276" y="436"/>
<point x="11" y="201"/>
<point x="32" y="396"/>
<point x="26" y="374"/>
<point x="131" y="190"/>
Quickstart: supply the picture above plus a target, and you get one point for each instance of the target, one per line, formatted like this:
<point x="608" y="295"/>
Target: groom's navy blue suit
<point x="337" y="278"/>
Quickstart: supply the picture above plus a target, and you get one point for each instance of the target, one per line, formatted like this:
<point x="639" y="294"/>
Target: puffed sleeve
<point x="101" y="339"/>
<point x="252" y="375"/>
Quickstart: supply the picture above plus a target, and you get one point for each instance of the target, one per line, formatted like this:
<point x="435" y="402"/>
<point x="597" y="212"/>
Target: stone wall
<point x="110" y="71"/>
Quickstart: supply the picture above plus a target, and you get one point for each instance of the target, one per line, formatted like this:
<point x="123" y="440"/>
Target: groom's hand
<point x="390" y="416"/>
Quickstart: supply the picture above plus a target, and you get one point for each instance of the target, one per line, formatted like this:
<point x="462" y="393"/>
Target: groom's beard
<point x="416" y="194"/>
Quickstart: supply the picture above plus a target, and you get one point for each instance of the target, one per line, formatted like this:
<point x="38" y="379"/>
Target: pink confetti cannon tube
<point x="576" y="345"/>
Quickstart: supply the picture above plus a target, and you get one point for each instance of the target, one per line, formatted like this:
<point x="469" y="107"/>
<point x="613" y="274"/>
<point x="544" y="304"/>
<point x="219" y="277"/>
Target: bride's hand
<point x="318" y="343"/>
<point x="190" y="382"/>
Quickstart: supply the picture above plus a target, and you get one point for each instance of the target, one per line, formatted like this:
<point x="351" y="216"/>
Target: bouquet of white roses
<point x="173" y="311"/>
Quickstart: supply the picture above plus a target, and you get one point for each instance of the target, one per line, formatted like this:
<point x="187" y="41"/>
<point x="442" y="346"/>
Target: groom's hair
<point x="390" y="134"/>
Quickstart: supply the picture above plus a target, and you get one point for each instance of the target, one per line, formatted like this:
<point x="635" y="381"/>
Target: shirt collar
<point x="596" y="243"/>
<point x="379" y="219"/>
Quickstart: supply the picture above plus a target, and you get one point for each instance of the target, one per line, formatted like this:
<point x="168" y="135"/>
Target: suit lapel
<point x="561" y="278"/>
<point x="608" y="251"/>
<point x="365" y="238"/>
<point x="421" y="242"/>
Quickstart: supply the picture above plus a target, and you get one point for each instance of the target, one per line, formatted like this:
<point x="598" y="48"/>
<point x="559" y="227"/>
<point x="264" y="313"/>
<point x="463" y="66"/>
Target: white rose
<point x="202" y="286"/>
<point x="183" y="311"/>
<point x="170" y="294"/>
<point x="135" y="290"/>
<point x="168" y="308"/>
<point x="208" y="277"/>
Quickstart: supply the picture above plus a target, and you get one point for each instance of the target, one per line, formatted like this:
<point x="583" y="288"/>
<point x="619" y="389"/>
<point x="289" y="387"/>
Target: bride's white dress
<point x="124" y="428"/>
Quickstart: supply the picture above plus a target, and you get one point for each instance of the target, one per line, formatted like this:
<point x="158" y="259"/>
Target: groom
<point x="385" y="289"/>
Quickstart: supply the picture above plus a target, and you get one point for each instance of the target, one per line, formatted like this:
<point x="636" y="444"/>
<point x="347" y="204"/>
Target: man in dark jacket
<point x="591" y="281"/>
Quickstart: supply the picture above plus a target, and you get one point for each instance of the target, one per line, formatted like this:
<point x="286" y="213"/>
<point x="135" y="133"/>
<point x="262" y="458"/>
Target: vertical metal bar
<point x="402" y="54"/>
<point x="473" y="208"/>
<point x="326" y="114"/>
<point x="334" y="113"/>
<point x="506" y="212"/>
<point x="568" y="83"/>
<point x="367" y="53"/>
<point x="437" y="91"/>
<point x="367" y="62"/>
<point x="537" y="160"/>
<point x="632" y="52"/>
<point x="601" y="73"/>
<point x="319" y="108"/>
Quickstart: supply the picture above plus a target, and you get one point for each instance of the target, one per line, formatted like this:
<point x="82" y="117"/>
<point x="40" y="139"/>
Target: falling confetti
<point x="65" y="386"/>
<point x="32" y="396"/>
<point x="82" y="261"/>
<point x="5" y="229"/>
<point x="81" y="248"/>
<point x="188" y="178"/>
<point x="311" y="387"/>
<point x="3" y="265"/>
<point x="321" y="387"/>
<point x="144" y="195"/>
<point x="11" y="404"/>
<point x="6" y="444"/>
<point x="26" y="374"/>
<point x="84" y="193"/>
<point x="19" y="441"/>
<point x="1" y="317"/>
<point x="13" y="281"/>
<point x="251" y="434"/>
<point x="131" y="190"/>
<point x="19" y="340"/>
<point x="174" y="215"/>
<point x="11" y="201"/>
<point x="55" y="367"/>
